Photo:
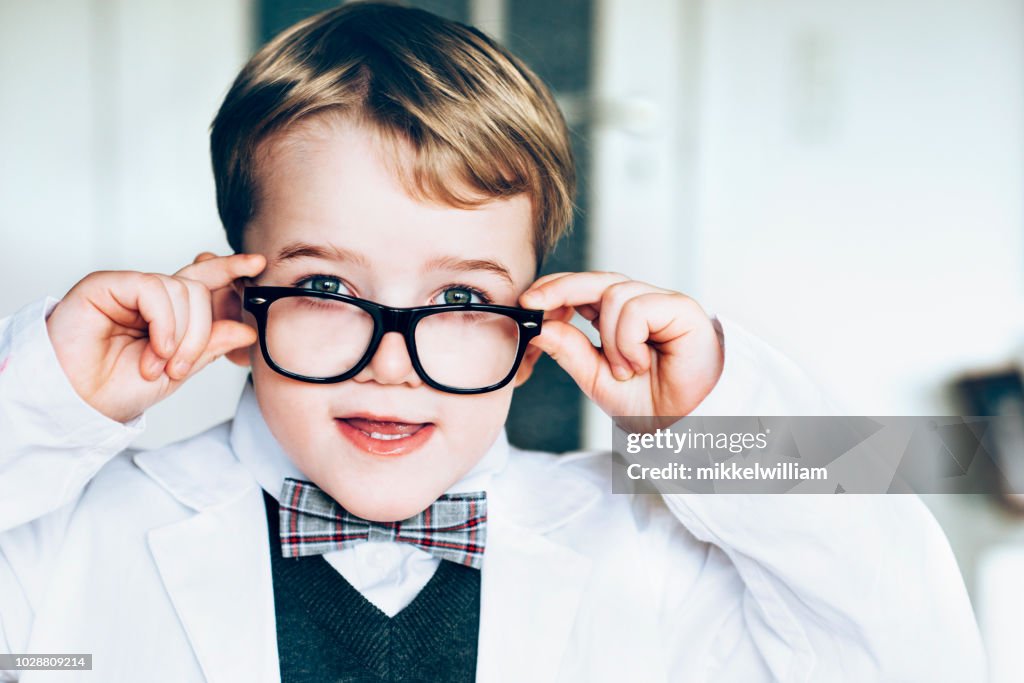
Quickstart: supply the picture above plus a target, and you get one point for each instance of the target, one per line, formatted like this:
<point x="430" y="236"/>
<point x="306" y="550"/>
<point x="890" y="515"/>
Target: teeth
<point x="386" y="437"/>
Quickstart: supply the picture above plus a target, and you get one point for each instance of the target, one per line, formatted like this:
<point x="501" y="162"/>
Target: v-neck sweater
<point x="328" y="631"/>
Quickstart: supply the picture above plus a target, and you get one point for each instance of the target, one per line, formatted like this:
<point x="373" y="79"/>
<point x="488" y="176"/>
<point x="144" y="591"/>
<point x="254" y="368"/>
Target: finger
<point x="549" y="277"/>
<point x="571" y="349"/>
<point x="541" y="281"/>
<point x="204" y="256"/>
<point x="227" y="304"/>
<point x="562" y="313"/>
<point x="588" y="311"/>
<point x="146" y="296"/>
<point x="612" y="301"/>
<point x="151" y="364"/>
<point x="574" y="289"/>
<point x="655" y="318"/>
<point x="221" y="271"/>
<point x="200" y="314"/>
<point x="225" y="335"/>
<point x="178" y="293"/>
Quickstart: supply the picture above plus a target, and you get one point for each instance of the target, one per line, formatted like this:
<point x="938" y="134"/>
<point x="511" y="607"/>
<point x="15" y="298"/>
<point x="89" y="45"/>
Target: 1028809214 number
<point x="46" y="662"/>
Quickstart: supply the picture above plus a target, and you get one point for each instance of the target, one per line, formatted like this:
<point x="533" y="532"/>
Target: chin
<point x="388" y="512"/>
<point x="385" y="509"/>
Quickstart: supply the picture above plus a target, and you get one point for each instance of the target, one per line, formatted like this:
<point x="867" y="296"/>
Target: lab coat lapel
<point x="530" y="592"/>
<point x="531" y="585"/>
<point x="215" y="565"/>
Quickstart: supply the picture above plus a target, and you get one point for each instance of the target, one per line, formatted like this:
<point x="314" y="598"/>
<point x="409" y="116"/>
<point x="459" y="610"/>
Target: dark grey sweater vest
<point x="327" y="630"/>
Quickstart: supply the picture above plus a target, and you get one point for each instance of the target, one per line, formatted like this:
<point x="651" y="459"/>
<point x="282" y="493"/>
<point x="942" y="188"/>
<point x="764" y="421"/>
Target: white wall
<point x="846" y="180"/>
<point x="861" y="177"/>
<point x="861" y="174"/>
<point x="104" y="135"/>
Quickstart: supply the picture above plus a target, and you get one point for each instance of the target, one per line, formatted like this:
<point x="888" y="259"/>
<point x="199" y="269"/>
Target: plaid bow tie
<point x="453" y="528"/>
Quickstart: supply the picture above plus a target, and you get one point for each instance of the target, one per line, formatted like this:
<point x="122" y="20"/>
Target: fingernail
<point x="156" y="367"/>
<point x="532" y="298"/>
<point x="620" y="373"/>
<point x="181" y="367"/>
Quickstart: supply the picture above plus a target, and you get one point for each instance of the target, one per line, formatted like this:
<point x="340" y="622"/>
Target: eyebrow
<point x="334" y="253"/>
<point x="469" y="265"/>
<point x="330" y="253"/>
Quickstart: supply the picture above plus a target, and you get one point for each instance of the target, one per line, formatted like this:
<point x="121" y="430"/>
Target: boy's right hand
<point x="127" y="340"/>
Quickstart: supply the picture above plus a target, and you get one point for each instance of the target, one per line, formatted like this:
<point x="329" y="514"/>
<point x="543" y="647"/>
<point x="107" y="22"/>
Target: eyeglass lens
<point x="320" y="338"/>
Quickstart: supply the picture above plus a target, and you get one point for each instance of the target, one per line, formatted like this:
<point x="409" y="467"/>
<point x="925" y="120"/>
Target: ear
<point x="526" y="367"/>
<point x="233" y="310"/>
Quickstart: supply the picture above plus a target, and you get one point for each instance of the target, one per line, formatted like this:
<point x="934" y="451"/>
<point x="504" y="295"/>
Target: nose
<point x="390" y="363"/>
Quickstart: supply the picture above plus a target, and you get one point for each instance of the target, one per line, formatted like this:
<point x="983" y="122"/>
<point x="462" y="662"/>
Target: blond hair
<point x="477" y="118"/>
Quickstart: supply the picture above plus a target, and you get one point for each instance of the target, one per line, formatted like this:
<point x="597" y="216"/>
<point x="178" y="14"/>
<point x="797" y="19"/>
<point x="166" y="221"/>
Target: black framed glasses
<point x="324" y="338"/>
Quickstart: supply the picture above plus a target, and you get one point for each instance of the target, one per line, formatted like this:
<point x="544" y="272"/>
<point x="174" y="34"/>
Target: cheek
<point x="290" y="409"/>
<point x="298" y="415"/>
<point x="470" y="421"/>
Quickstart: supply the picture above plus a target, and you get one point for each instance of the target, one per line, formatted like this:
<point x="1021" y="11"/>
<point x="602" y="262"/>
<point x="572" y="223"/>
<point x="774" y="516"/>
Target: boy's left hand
<point x="659" y="353"/>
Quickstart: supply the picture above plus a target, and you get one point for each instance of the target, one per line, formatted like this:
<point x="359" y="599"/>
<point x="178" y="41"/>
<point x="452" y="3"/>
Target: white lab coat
<point x="157" y="563"/>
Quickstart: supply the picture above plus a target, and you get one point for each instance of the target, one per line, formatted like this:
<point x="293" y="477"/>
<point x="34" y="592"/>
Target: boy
<point x="372" y="160"/>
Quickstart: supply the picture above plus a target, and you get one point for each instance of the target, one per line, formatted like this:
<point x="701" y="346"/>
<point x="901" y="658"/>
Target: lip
<point x="392" y="447"/>
<point x="379" y="418"/>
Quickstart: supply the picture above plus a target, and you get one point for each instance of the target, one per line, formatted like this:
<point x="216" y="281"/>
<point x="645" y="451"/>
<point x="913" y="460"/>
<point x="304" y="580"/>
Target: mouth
<point x="384" y="435"/>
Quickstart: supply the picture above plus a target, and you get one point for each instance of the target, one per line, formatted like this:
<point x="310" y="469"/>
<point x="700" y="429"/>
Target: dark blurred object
<point x="1000" y="393"/>
<point x="553" y="38"/>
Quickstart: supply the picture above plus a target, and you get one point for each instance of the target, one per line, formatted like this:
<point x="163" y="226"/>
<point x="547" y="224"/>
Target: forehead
<point x="336" y="182"/>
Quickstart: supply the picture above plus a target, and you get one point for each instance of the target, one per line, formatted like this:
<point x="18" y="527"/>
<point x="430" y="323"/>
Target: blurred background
<point x="843" y="178"/>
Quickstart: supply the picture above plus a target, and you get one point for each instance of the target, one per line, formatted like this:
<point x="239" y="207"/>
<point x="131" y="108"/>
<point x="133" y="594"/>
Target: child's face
<point x="330" y="187"/>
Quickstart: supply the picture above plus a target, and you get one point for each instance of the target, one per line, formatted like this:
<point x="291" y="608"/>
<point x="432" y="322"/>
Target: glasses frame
<point x="257" y="300"/>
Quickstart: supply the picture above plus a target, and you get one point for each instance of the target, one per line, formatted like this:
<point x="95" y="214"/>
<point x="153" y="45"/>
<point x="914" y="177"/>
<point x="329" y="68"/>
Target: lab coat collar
<point x="215" y="564"/>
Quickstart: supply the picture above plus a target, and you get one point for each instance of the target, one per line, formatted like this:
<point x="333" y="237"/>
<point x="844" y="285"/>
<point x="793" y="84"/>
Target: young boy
<point x="369" y="160"/>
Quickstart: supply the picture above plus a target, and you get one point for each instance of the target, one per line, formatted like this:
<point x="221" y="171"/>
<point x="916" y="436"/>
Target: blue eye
<point x="462" y="294"/>
<point x="323" y="283"/>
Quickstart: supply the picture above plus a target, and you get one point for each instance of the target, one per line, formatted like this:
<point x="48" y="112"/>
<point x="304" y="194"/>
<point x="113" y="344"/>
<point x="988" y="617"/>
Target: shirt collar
<point x="259" y="451"/>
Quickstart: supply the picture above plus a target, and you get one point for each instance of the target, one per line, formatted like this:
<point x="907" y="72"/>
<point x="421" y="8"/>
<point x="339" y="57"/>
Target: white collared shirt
<point x="388" y="574"/>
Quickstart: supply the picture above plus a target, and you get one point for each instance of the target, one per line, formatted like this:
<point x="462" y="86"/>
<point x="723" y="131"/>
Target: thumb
<point x="572" y="350"/>
<point x="204" y="256"/>
<point x="226" y="335"/>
